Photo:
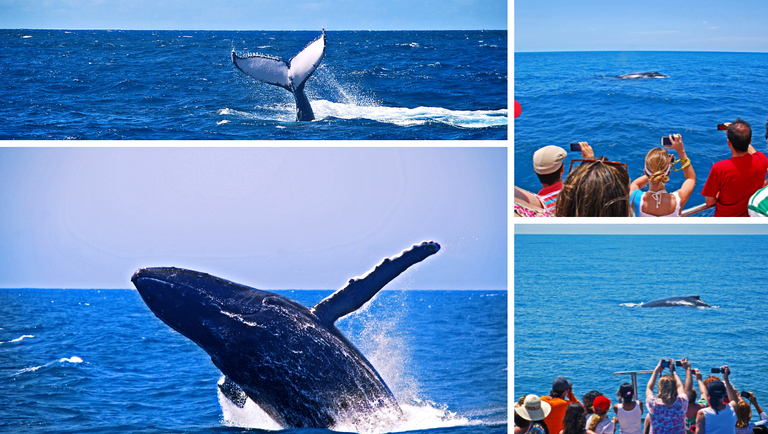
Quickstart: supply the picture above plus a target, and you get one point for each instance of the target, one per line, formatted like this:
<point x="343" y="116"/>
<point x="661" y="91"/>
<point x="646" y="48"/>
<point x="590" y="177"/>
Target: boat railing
<point x="634" y="377"/>
<point x="524" y="201"/>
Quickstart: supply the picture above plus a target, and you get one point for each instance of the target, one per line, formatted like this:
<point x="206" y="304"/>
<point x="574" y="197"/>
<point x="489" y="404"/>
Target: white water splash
<point x="18" y="339"/>
<point x="73" y="359"/>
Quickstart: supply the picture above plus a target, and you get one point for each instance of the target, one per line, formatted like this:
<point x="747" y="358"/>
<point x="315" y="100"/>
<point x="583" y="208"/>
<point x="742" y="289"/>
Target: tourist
<point x="559" y="397"/>
<point x="548" y="166"/>
<point x="536" y="411"/>
<point x="719" y="417"/>
<point x="693" y="406"/>
<point x="732" y="182"/>
<point x="595" y="188"/>
<point x="587" y="400"/>
<point x="575" y="420"/>
<point x="667" y="410"/>
<point x="744" y="414"/>
<point x="628" y="411"/>
<point x="656" y="202"/>
<point x="598" y="422"/>
<point x="758" y="203"/>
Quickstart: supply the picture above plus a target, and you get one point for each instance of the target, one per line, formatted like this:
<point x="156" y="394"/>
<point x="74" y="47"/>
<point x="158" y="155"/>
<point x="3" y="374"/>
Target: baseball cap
<point x="548" y="159"/>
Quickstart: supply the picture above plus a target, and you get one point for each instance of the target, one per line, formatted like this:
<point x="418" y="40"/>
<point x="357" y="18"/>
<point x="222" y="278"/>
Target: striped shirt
<point x="758" y="203"/>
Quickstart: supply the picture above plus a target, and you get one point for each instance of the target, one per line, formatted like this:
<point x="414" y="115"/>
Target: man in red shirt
<point x="562" y="389"/>
<point x="731" y="182"/>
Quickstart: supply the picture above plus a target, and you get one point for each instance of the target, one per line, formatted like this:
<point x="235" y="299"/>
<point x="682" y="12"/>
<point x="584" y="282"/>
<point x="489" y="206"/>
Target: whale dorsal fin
<point x="358" y="291"/>
<point x="288" y="75"/>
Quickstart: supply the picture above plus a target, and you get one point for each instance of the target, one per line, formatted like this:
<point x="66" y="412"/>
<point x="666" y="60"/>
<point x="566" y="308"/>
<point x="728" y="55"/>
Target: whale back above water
<point x="291" y="75"/>
<point x="290" y="360"/>
<point x="639" y="75"/>
<point x="688" y="301"/>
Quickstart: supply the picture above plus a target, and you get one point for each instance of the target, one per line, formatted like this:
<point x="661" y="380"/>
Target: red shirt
<point x="736" y="179"/>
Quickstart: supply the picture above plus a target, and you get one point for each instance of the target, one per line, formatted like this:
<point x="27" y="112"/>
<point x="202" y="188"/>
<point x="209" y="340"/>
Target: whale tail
<point x="291" y="75"/>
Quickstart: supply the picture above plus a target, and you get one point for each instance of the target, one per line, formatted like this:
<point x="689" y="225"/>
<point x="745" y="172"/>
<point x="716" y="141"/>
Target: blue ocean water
<point x="572" y="97"/>
<point x="576" y="311"/>
<point x="163" y="85"/>
<point x="99" y="361"/>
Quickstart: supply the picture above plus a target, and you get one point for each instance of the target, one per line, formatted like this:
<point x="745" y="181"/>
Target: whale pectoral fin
<point x="306" y="62"/>
<point x="232" y="391"/>
<point x="266" y="69"/>
<point x="358" y="291"/>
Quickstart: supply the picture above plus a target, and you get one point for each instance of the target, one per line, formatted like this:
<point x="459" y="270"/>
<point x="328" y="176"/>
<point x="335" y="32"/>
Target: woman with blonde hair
<point x="667" y="410"/>
<point x="656" y="202"/>
<point x="598" y="422"/>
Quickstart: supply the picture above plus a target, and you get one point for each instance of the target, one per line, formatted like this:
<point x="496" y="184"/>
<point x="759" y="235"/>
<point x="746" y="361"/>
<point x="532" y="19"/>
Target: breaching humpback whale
<point x="291" y="361"/>
<point x="636" y="75"/>
<point x="689" y="301"/>
<point x="291" y="75"/>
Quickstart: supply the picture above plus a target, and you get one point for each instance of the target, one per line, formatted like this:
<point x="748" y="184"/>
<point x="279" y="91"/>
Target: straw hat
<point x="533" y="408"/>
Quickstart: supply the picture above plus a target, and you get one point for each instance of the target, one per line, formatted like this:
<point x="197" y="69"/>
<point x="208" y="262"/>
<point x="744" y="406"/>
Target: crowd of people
<point x="672" y="409"/>
<point x="598" y="187"/>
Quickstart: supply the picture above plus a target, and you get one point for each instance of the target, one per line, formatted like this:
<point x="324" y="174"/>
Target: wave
<point x="18" y="339"/>
<point x="73" y="359"/>
<point x="400" y="116"/>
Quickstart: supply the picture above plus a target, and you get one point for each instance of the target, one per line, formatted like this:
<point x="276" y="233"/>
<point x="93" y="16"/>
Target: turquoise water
<point x="576" y="315"/>
<point x="91" y="361"/>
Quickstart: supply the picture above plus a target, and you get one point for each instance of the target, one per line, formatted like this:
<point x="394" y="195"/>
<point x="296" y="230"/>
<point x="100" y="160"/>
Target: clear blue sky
<point x="254" y="14"/>
<point x="271" y="218"/>
<point x="654" y="25"/>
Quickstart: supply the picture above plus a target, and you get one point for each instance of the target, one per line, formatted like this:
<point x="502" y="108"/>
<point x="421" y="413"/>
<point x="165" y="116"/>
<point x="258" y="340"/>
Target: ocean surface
<point x="99" y="361"/>
<point x="576" y="96"/>
<point x="168" y="85"/>
<point x="576" y="309"/>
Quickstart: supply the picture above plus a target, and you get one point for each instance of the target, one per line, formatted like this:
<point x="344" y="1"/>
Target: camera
<point x="575" y="147"/>
<point x="718" y="371"/>
<point x="665" y="363"/>
<point x="666" y="142"/>
<point x="721" y="127"/>
<point x="745" y="394"/>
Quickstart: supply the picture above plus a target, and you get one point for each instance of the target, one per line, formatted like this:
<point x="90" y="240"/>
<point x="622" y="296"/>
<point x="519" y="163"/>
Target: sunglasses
<point x="592" y="160"/>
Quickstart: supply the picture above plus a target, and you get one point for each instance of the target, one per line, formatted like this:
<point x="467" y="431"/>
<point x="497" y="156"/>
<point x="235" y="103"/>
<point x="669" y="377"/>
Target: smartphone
<point x="718" y="371"/>
<point x="666" y="142"/>
<point x="745" y="394"/>
<point x="678" y="363"/>
<point x="721" y="127"/>
<point x="575" y="147"/>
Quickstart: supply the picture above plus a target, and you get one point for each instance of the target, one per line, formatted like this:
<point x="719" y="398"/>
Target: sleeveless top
<point x="638" y="199"/>
<point x="629" y="421"/>
<point x="724" y="422"/>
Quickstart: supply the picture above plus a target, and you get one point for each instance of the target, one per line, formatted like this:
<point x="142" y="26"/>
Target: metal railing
<point x="634" y="377"/>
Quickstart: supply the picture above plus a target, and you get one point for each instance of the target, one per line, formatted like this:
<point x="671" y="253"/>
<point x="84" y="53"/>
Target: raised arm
<point x="702" y="386"/>
<point x="686" y="190"/>
<point x="652" y="381"/>
<point x="688" y="377"/>
<point x="732" y="396"/>
<point x="680" y="388"/>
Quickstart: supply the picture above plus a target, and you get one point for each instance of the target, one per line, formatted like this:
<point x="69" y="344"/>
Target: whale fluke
<point x="689" y="301"/>
<point x="291" y="75"/>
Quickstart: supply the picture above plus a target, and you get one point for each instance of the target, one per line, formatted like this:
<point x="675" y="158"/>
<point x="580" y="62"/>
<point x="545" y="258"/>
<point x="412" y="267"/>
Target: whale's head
<point x="210" y="311"/>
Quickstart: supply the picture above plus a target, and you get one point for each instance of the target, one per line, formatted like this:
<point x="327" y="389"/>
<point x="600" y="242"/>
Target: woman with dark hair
<point x="667" y="410"/>
<point x="628" y="411"/>
<point x="595" y="188"/>
<point x="575" y="420"/>
<point x="588" y="399"/>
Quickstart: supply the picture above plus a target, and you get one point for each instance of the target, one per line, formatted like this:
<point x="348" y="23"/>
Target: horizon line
<point x="650" y="51"/>
<point x="252" y="30"/>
